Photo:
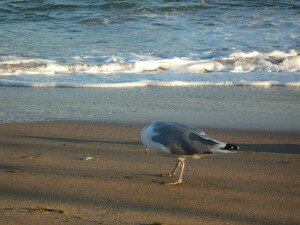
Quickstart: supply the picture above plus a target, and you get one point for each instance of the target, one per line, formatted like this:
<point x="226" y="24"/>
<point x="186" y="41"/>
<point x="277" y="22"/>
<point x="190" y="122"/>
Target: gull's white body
<point x="146" y="138"/>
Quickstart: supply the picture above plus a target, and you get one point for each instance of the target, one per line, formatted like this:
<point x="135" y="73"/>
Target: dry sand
<point x="85" y="173"/>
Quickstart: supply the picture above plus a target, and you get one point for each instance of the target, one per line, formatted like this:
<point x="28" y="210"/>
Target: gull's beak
<point x="146" y="151"/>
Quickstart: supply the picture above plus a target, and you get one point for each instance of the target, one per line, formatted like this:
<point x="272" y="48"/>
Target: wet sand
<point x="93" y="173"/>
<point x="251" y="108"/>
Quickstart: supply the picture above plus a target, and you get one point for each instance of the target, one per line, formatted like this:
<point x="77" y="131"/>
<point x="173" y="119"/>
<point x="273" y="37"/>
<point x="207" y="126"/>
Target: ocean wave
<point x="172" y="8"/>
<point x="117" y="5"/>
<point x="145" y="83"/>
<point x="33" y="67"/>
<point x="275" y="61"/>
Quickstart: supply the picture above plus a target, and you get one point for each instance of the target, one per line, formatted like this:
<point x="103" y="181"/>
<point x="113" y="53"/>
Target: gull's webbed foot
<point x="179" y="181"/>
<point x="168" y="175"/>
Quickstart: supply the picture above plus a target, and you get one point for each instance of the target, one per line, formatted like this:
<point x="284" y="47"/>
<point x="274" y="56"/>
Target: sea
<point x="141" y="43"/>
<point x="215" y="63"/>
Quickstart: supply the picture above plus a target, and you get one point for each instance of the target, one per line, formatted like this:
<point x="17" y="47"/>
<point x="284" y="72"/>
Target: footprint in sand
<point x="32" y="156"/>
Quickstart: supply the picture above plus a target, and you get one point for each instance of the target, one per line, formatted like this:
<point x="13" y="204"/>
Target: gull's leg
<point x="172" y="174"/>
<point x="179" y="181"/>
<point x="181" y="172"/>
<point x="146" y="151"/>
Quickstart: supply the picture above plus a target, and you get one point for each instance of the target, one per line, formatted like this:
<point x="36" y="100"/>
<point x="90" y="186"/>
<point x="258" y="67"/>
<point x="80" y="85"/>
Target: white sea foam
<point x="53" y="68"/>
<point x="235" y="62"/>
<point x="291" y="64"/>
<point x="145" y="83"/>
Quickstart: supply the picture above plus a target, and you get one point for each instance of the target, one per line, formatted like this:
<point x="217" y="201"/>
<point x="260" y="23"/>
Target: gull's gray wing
<point x="195" y="130"/>
<point x="182" y="139"/>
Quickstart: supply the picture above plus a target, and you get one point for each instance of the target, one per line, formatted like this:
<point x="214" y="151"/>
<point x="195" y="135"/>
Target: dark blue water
<point x="89" y="43"/>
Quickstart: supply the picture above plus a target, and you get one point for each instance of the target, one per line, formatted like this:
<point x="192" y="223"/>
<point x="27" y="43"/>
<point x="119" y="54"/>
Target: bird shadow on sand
<point x="80" y="141"/>
<point x="10" y="169"/>
<point x="76" y="172"/>
<point x="139" y="177"/>
<point x="271" y="148"/>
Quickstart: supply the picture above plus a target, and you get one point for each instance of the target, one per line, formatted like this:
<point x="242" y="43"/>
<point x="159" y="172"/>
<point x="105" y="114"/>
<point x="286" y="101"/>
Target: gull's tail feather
<point x="222" y="147"/>
<point x="231" y="147"/>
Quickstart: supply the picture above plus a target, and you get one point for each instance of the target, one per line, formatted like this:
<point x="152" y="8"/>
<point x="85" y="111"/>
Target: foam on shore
<point x="145" y="83"/>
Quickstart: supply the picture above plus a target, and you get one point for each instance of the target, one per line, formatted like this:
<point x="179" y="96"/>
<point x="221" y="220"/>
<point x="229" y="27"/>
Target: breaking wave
<point x="275" y="61"/>
<point x="276" y="68"/>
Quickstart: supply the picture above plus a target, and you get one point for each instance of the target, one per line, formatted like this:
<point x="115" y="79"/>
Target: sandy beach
<point x="95" y="173"/>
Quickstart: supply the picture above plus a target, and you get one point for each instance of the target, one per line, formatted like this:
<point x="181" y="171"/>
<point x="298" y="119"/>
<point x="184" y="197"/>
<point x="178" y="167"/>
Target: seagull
<point x="181" y="141"/>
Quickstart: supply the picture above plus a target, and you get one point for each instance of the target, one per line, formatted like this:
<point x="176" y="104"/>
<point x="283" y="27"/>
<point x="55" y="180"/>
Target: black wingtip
<point x="231" y="147"/>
